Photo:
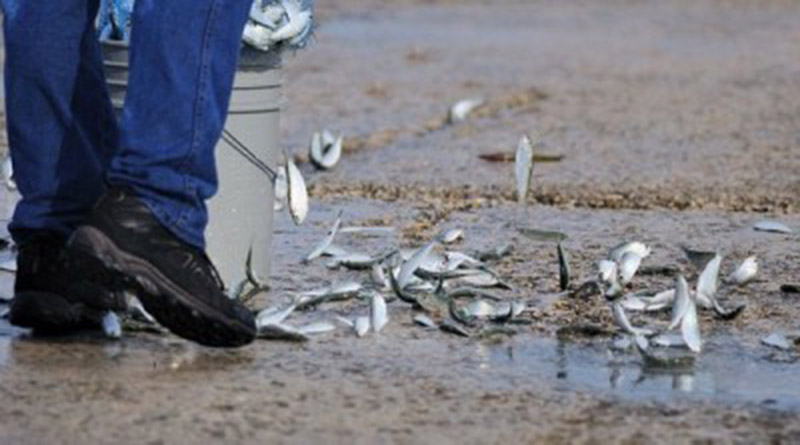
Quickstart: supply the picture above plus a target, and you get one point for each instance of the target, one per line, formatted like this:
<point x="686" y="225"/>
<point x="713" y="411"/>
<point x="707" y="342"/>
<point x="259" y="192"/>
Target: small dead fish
<point x="250" y="272"/>
<point x="523" y="167"/>
<point x="681" y="303"/>
<point x="137" y="311"/>
<point x="379" y="278"/>
<point x="377" y="313"/>
<point x="563" y="268"/>
<point x="771" y="226"/>
<point x="461" y="109"/>
<point x="413" y="263"/>
<point x="480" y="278"/>
<point x="607" y="270"/>
<point x="281" y="188"/>
<point x="621" y="320"/>
<point x="361" y="325"/>
<point x="480" y="309"/>
<point x="356" y="261"/>
<point x="690" y="329"/>
<point x="274" y="315"/>
<point x="319" y="327"/>
<point x="298" y="25"/>
<point x="452" y="235"/>
<point x="298" y="194"/>
<point x="707" y="282"/>
<point x="326" y="242"/>
<point x="745" y="272"/>
<point x="4" y="313"/>
<point x="452" y="327"/>
<point x="543" y="235"/>
<point x="458" y="259"/>
<point x="281" y="332"/>
<point x="111" y="325"/>
<point x="698" y="258"/>
<point x="424" y="321"/>
<point x="619" y="251"/>
<point x="325" y="150"/>
<point x="777" y="340"/>
<point x="333" y="250"/>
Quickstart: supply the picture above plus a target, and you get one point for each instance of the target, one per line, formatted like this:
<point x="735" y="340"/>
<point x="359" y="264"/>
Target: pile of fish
<point x="447" y="289"/>
<point x="272" y="24"/>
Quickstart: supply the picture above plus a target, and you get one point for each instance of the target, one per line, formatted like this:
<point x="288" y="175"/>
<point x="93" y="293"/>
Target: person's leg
<point x="148" y="228"/>
<point x="60" y="123"/>
<point x="62" y="135"/>
<point x="183" y="60"/>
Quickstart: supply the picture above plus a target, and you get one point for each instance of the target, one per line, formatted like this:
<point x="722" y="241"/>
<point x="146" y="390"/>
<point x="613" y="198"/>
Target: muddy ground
<point x="680" y="124"/>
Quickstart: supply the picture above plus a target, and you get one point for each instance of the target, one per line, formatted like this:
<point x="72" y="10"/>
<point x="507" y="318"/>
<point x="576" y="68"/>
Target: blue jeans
<point x="66" y="144"/>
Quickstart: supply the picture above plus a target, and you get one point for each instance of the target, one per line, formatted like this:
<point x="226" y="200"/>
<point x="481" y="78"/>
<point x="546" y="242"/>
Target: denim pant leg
<point x="183" y="60"/>
<point x="61" y="128"/>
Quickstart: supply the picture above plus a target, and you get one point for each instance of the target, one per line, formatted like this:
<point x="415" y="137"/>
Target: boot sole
<point x="171" y="305"/>
<point x="47" y="313"/>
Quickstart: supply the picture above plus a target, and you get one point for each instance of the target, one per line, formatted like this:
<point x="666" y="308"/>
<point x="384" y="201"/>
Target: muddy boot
<point x="50" y="295"/>
<point x="175" y="281"/>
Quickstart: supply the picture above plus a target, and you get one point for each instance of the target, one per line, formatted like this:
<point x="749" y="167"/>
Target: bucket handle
<point x="248" y="154"/>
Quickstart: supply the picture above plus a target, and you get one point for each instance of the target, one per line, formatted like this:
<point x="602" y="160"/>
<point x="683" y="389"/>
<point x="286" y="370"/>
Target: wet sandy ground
<point x="680" y="123"/>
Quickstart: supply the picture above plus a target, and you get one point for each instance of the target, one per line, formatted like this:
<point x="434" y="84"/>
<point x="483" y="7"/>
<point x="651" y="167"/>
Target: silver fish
<point x="621" y="320"/>
<point x="378" y="314"/>
<point x="362" y="325"/>
<point x="326" y="242"/>
<point x="4" y="313"/>
<point x="772" y="226"/>
<point x="424" y="321"/>
<point x="111" y="325"/>
<point x="452" y="327"/>
<point x="452" y="235"/>
<point x="379" y="278"/>
<point x="138" y="312"/>
<point x="298" y="195"/>
<point x="480" y="309"/>
<point x="690" y="329"/>
<point x="495" y="254"/>
<point x="461" y="109"/>
<point x="681" y="303"/>
<point x="639" y="248"/>
<point x="563" y="268"/>
<point x="325" y="150"/>
<point x="318" y="327"/>
<point x="274" y="315"/>
<point x="628" y="266"/>
<point x="298" y="26"/>
<point x="607" y="270"/>
<point x="745" y="272"/>
<point x="281" y="188"/>
<point x="707" y="282"/>
<point x="334" y="250"/>
<point x="409" y="267"/>
<point x="523" y="167"/>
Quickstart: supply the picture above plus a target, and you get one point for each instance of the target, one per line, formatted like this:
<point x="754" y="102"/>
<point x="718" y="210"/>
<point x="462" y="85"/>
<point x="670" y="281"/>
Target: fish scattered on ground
<point x="424" y="321"/>
<point x="452" y="235"/>
<point x="378" y="314"/>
